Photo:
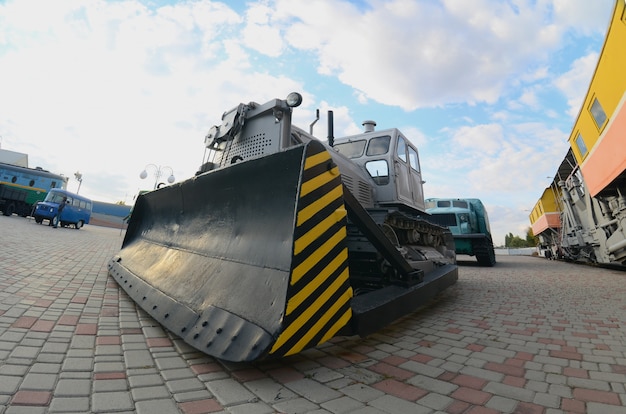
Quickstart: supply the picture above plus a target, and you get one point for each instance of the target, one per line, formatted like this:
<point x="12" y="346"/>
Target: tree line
<point x="516" y="241"/>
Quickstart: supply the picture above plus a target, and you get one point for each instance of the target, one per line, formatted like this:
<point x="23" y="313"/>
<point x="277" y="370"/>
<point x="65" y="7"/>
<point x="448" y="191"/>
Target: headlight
<point x="294" y="99"/>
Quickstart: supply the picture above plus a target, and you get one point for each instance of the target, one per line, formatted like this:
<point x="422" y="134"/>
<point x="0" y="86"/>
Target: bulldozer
<point x="282" y="241"/>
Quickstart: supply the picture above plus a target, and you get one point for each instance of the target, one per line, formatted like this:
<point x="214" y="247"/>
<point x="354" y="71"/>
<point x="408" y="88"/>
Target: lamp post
<point x="79" y="178"/>
<point x="158" y="172"/>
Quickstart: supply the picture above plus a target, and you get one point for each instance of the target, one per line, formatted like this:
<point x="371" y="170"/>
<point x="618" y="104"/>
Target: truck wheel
<point x="78" y="225"/>
<point x="54" y="221"/>
<point x="9" y="209"/>
<point x="488" y="260"/>
<point x="38" y="219"/>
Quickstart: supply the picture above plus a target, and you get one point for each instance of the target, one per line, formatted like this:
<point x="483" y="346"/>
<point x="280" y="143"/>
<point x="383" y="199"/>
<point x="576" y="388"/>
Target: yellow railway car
<point x="588" y="193"/>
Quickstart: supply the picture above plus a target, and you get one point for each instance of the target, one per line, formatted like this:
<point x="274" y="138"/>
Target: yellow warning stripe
<point x="341" y="322"/>
<point x="302" y="242"/>
<point x="321" y="322"/>
<point x="310" y="312"/>
<point x="319" y="293"/>
<point x="297" y="299"/>
<point x="316" y="159"/>
<point x="318" y="181"/>
<point x="314" y="258"/>
<point x="310" y="210"/>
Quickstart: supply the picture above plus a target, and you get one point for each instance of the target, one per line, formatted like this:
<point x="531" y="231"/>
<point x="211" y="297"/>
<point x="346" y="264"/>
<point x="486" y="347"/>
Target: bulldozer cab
<point x="392" y="162"/>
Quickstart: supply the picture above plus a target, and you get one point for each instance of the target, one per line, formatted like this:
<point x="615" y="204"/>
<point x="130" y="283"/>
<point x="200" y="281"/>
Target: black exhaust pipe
<point x="331" y="132"/>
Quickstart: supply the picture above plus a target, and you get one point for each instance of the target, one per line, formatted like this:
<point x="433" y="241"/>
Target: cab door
<point x="408" y="176"/>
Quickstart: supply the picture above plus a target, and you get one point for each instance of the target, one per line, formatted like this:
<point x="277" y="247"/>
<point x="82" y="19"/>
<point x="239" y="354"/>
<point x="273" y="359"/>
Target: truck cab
<point x="469" y="224"/>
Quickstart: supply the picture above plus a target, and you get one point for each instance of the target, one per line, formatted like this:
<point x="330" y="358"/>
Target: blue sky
<point x="487" y="89"/>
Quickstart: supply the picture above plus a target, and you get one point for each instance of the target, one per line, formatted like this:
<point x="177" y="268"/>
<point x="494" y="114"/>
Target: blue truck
<point x="467" y="220"/>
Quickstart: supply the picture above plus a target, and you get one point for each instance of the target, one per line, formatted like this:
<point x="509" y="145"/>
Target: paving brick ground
<point x="527" y="336"/>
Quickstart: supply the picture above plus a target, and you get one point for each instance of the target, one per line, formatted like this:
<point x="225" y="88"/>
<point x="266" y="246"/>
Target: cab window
<point x="401" y="152"/>
<point x="413" y="159"/>
<point x="378" y="146"/>
<point x="379" y="171"/>
<point x="352" y="149"/>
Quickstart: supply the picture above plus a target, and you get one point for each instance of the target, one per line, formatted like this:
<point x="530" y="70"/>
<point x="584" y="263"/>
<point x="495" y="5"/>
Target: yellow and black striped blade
<point x="319" y="293"/>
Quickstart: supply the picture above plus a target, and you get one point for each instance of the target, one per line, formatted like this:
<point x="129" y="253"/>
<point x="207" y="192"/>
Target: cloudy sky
<point x="488" y="90"/>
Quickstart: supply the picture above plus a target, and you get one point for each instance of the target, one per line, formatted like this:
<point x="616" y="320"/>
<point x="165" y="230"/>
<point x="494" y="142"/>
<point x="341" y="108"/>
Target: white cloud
<point x="587" y="17"/>
<point x="529" y="98"/>
<point x="259" y="33"/>
<point x="417" y="54"/>
<point x="482" y="139"/>
<point x="574" y="83"/>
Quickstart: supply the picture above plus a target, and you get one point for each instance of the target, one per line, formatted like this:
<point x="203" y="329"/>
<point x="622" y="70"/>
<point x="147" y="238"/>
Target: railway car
<point x="581" y="216"/>
<point x="21" y="187"/>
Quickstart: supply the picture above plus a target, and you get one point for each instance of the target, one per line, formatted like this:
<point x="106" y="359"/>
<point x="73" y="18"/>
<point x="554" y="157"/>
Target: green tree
<point x="507" y="239"/>
<point x="531" y="240"/>
<point x="514" y="241"/>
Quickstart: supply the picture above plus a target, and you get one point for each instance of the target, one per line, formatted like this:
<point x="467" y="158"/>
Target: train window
<point x="53" y="184"/>
<point x="459" y="204"/>
<point x="378" y="146"/>
<point x="14" y="179"/>
<point x="580" y="143"/>
<point x="443" y="204"/>
<point x="598" y="113"/>
<point x="31" y="183"/>
<point x="401" y="149"/>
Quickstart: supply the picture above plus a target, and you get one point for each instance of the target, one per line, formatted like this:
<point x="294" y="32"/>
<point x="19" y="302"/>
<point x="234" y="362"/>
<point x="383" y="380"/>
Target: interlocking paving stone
<point x="150" y="393"/>
<point x="269" y="390"/>
<point x="527" y="335"/>
<point x="229" y="392"/>
<point x="73" y="388"/>
<point x="157" y="406"/>
<point x="69" y="405"/>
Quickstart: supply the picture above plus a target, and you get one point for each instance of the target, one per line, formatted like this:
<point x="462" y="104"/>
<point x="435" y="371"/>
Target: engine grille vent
<point x="445" y="219"/>
<point x="253" y="146"/>
<point x="365" y="195"/>
<point x="360" y="190"/>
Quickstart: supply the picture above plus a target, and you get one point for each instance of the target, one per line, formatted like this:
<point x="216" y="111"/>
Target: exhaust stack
<point x="331" y="129"/>
<point x="369" y="125"/>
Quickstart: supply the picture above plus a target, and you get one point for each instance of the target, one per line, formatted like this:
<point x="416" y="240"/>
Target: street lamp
<point x="158" y="172"/>
<point x="79" y="178"/>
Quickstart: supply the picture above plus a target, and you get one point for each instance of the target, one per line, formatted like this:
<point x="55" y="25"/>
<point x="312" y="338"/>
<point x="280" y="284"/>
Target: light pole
<point x="79" y="178"/>
<point x="158" y="172"/>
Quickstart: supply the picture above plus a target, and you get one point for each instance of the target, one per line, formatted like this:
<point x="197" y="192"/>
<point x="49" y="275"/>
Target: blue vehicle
<point x="77" y="210"/>
<point x="467" y="220"/>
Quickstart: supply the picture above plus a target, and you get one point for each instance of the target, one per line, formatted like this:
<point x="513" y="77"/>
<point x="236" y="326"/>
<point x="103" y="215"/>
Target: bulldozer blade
<point x="244" y="262"/>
